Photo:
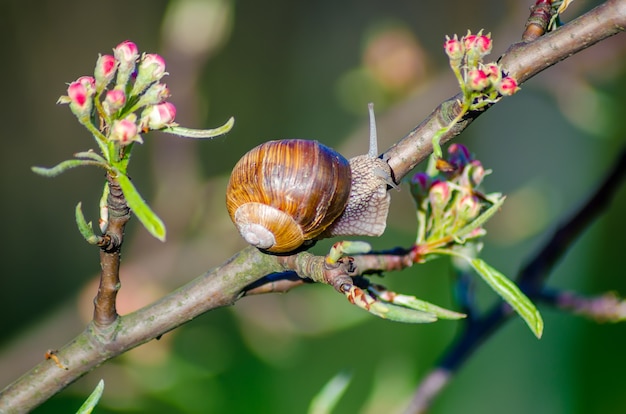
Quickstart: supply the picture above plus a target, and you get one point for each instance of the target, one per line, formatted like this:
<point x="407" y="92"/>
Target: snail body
<point x="284" y="193"/>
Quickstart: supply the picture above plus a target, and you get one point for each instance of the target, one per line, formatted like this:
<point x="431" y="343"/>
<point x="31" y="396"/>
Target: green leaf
<point x="421" y="305"/>
<point x="140" y="208"/>
<point x="387" y="310"/>
<point x="511" y="294"/>
<point x="200" y="133"/>
<point x="90" y="155"/>
<point x="326" y="400"/>
<point x="64" y="166"/>
<point x="480" y="220"/>
<point x="92" y="400"/>
<point x="85" y="228"/>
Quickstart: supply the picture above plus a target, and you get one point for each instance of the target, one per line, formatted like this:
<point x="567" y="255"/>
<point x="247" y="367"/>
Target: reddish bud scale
<point x="537" y="23"/>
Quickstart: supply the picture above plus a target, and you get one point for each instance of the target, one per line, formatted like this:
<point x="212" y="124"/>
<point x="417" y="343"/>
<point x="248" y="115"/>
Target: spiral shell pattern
<point x="282" y="193"/>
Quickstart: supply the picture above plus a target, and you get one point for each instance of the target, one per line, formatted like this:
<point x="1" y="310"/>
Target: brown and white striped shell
<point x="282" y="193"/>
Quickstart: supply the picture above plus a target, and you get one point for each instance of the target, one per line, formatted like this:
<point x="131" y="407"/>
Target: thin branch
<point x="522" y="61"/>
<point x="530" y="280"/>
<point x="225" y="284"/>
<point x="105" y="312"/>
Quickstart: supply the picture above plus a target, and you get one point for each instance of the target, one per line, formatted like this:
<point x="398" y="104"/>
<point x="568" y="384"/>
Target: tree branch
<point x="225" y="284"/>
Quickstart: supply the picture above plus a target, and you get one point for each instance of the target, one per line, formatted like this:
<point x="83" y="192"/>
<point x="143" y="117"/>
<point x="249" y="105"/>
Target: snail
<point x="283" y="194"/>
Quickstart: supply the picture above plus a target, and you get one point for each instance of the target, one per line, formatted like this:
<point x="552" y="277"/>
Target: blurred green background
<point x="306" y="70"/>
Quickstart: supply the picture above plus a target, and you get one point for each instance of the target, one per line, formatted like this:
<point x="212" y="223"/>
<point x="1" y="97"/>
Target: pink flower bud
<point x="158" y="116"/>
<point x="478" y="43"/>
<point x="477" y="80"/>
<point x="115" y="100"/>
<point x="483" y="44"/>
<point x="493" y="71"/>
<point x="126" y="53"/>
<point x="454" y="48"/>
<point x="469" y="41"/>
<point x="80" y="92"/>
<point x="468" y="208"/>
<point x="125" y="131"/>
<point x="151" y="69"/>
<point x="507" y="86"/>
<point x="439" y="195"/>
<point x="154" y="65"/>
<point x="106" y="65"/>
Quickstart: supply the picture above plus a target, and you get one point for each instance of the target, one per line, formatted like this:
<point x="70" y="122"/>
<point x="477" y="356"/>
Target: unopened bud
<point x="493" y="71"/>
<point x="468" y="208"/>
<point x="419" y="185"/>
<point x="454" y="49"/>
<point x="154" y="95"/>
<point x="151" y="69"/>
<point x="477" y="80"/>
<point x="106" y="65"/>
<point x="158" y="116"/>
<point x="507" y="86"/>
<point x="80" y="93"/>
<point x="126" y="53"/>
<point x="115" y="100"/>
<point x="125" y="131"/>
<point x="439" y="195"/>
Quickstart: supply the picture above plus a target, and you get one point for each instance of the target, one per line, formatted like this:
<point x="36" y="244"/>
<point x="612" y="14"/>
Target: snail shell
<point x="282" y="193"/>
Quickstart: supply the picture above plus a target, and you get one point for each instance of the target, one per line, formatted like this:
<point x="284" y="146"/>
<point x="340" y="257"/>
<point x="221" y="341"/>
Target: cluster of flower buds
<point x="482" y="82"/>
<point x="449" y="201"/>
<point x="124" y="97"/>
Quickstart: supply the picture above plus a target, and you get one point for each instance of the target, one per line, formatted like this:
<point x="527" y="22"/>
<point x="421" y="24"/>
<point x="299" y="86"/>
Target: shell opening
<point x="268" y="228"/>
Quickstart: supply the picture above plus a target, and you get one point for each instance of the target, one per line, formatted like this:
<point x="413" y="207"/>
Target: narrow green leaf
<point x="90" y="155"/>
<point x="421" y="305"/>
<point x="326" y="400"/>
<point x="140" y="208"/>
<point x="85" y="228"/>
<point x="414" y="303"/>
<point x="201" y="133"/>
<point x="64" y="166"/>
<point x="396" y="313"/>
<point x="92" y="400"/>
<point x="480" y="220"/>
<point x="511" y="294"/>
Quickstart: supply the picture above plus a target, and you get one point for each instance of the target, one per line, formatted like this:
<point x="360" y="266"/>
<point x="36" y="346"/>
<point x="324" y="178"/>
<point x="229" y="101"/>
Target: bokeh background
<point x="306" y="70"/>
